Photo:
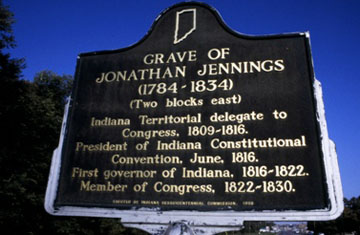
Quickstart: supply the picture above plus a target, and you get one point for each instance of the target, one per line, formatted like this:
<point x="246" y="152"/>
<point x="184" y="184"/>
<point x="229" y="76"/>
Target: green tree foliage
<point x="348" y="222"/>
<point x="31" y="129"/>
<point x="10" y="69"/>
<point x="30" y="121"/>
<point x="255" y="226"/>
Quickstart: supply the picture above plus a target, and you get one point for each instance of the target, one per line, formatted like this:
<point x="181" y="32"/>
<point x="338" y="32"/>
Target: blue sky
<point x="50" y="35"/>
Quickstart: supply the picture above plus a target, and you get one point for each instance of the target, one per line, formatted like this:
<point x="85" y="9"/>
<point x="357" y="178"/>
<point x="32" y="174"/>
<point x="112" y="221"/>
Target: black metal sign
<point x="196" y="117"/>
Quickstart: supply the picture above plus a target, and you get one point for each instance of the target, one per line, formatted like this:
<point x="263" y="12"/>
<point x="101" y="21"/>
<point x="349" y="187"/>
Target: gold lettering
<point x="80" y="146"/>
<point x="129" y="174"/>
<point x="271" y="142"/>
<point x="177" y="145"/>
<point x="107" y="187"/>
<point x="241" y="67"/>
<point x="81" y="173"/>
<point x="107" y="121"/>
<point x="206" y="159"/>
<point x="205" y="173"/>
<point x="157" y="159"/>
<point x="173" y="57"/>
<point x="160" y="187"/>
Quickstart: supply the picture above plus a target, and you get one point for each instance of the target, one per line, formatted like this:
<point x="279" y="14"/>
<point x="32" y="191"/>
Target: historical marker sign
<point x="196" y="119"/>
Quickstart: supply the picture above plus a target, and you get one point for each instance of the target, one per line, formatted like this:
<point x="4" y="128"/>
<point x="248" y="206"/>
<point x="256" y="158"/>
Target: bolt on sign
<point x="197" y="122"/>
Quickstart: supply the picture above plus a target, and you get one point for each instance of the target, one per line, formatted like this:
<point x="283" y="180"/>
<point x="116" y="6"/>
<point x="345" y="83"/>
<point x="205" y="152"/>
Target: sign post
<point x="199" y="123"/>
